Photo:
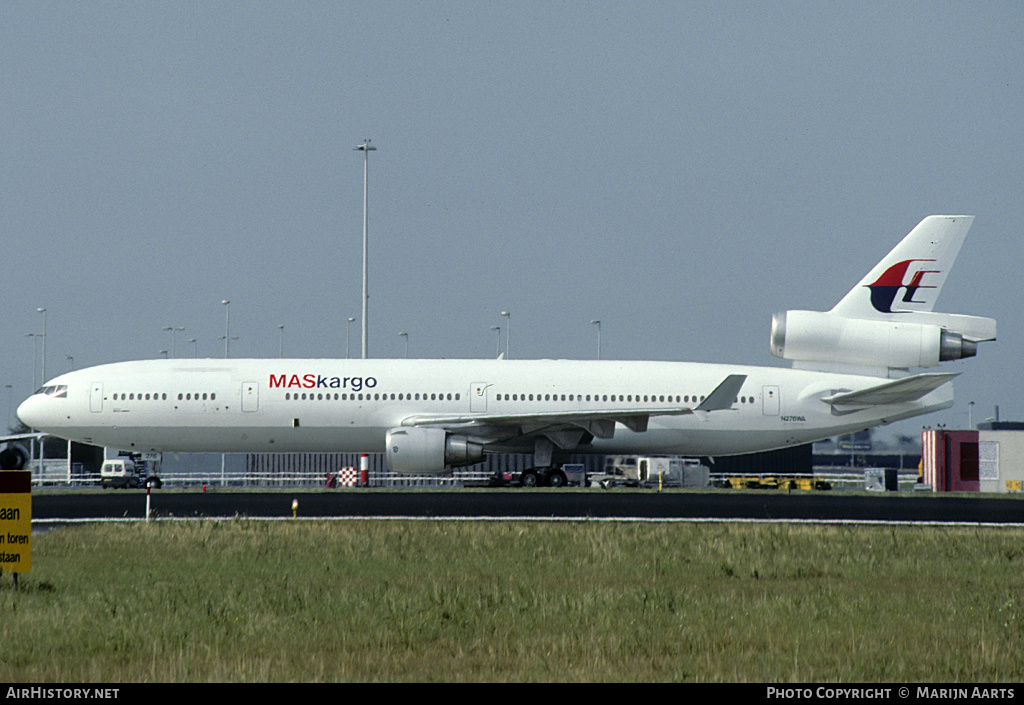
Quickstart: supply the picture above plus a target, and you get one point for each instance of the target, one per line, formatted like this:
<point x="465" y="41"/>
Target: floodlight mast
<point x="365" y="148"/>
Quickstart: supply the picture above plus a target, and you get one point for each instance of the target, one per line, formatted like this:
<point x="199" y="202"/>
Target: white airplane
<point x="851" y="371"/>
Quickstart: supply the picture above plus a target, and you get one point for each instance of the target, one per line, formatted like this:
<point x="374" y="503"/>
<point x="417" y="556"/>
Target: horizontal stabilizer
<point x="900" y="391"/>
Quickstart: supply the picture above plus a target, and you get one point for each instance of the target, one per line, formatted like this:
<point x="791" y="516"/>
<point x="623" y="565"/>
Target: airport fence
<point x="60" y="477"/>
<point x="825" y="480"/>
<point x="313" y="470"/>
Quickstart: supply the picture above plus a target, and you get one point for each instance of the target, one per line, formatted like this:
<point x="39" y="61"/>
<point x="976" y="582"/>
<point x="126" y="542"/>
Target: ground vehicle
<point x="638" y="471"/>
<point x="124" y="473"/>
<point x="627" y="470"/>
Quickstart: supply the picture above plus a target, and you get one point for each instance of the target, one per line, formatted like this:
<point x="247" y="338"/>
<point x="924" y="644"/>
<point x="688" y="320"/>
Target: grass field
<point x="250" y="600"/>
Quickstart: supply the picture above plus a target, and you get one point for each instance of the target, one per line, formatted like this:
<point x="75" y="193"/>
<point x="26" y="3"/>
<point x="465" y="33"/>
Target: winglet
<point x="724" y="395"/>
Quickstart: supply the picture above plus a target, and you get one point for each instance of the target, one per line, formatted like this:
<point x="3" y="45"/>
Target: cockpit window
<point x="57" y="391"/>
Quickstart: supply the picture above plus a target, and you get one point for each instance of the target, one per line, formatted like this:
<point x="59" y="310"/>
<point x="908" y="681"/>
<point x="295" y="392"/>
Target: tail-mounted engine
<point x="925" y="341"/>
<point x="429" y="451"/>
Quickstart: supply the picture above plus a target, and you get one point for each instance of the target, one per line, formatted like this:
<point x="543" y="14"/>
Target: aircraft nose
<point x="32" y="412"/>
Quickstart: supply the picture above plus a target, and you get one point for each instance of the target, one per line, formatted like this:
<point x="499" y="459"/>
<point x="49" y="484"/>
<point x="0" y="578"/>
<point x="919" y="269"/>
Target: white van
<point x="123" y="473"/>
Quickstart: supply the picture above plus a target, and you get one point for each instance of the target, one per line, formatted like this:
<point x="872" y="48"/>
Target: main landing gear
<point x="542" y="477"/>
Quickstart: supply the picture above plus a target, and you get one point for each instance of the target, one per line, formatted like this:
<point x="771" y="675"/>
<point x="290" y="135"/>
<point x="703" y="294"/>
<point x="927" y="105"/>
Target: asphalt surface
<point x="568" y="504"/>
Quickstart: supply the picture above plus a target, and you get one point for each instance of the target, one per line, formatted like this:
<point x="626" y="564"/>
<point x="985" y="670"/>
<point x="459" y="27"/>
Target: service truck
<point x="642" y="471"/>
<point x="126" y="473"/>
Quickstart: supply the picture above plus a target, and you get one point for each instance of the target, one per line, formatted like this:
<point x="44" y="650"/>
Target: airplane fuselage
<point x="321" y="405"/>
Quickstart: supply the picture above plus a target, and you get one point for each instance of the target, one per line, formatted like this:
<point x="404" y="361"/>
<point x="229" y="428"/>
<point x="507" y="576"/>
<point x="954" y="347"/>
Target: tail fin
<point x="887" y="321"/>
<point x="910" y="278"/>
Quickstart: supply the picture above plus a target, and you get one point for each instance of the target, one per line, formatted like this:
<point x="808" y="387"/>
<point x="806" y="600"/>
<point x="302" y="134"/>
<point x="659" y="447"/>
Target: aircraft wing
<point x="633" y="418"/>
<point x="899" y="391"/>
<point x="25" y="436"/>
<point x="600" y="423"/>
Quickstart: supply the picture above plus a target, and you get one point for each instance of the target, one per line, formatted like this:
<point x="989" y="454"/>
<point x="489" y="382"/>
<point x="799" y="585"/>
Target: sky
<point x="677" y="170"/>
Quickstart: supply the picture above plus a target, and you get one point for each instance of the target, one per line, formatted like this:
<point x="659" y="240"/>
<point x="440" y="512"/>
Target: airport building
<point x="990" y="459"/>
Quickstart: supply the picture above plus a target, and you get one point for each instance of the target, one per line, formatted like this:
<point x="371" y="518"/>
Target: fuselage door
<point x="96" y="397"/>
<point x="770" y="399"/>
<point x="478" y="397"/>
<point x="250" y="396"/>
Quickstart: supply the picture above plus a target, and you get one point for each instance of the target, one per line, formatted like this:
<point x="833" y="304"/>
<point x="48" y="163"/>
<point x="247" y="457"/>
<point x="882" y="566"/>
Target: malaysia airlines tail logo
<point x="887" y="287"/>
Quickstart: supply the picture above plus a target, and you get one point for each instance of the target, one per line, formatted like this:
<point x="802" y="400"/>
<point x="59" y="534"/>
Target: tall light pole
<point x="365" y="148"/>
<point x="174" y="338"/>
<point x="348" y="336"/>
<point x="406" y="336"/>
<point x="497" y="344"/>
<point x="227" y="326"/>
<point x="508" y="333"/>
<point x="42" y="439"/>
<point x="35" y="359"/>
<point x="280" y="348"/>
<point x="227" y="347"/>
<point x="195" y="347"/>
<point x="598" y="323"/>
<point x="43" y="311"/>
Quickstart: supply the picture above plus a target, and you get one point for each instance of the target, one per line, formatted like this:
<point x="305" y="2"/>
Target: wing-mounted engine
<point x="429" y="451"/>
<point x="13" y="457"/>
<point x="813" y="336"/>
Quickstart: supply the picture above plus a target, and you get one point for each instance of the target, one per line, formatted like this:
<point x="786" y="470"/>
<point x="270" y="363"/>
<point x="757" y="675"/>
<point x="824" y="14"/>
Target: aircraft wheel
<point x="556" y="479"/>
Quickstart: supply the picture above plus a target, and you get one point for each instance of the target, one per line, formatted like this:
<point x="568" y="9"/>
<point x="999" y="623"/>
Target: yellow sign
<point x="16" y="521"/>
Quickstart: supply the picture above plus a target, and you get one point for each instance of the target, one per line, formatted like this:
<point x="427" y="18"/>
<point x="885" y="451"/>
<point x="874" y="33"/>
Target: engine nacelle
<point x="826" y="337"/>
<point x="429" y="451"/>
<point x="13" y="457"/>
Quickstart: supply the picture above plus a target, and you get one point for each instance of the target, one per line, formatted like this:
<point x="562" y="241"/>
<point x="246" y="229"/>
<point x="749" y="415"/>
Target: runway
<point x="712" y="505"/>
